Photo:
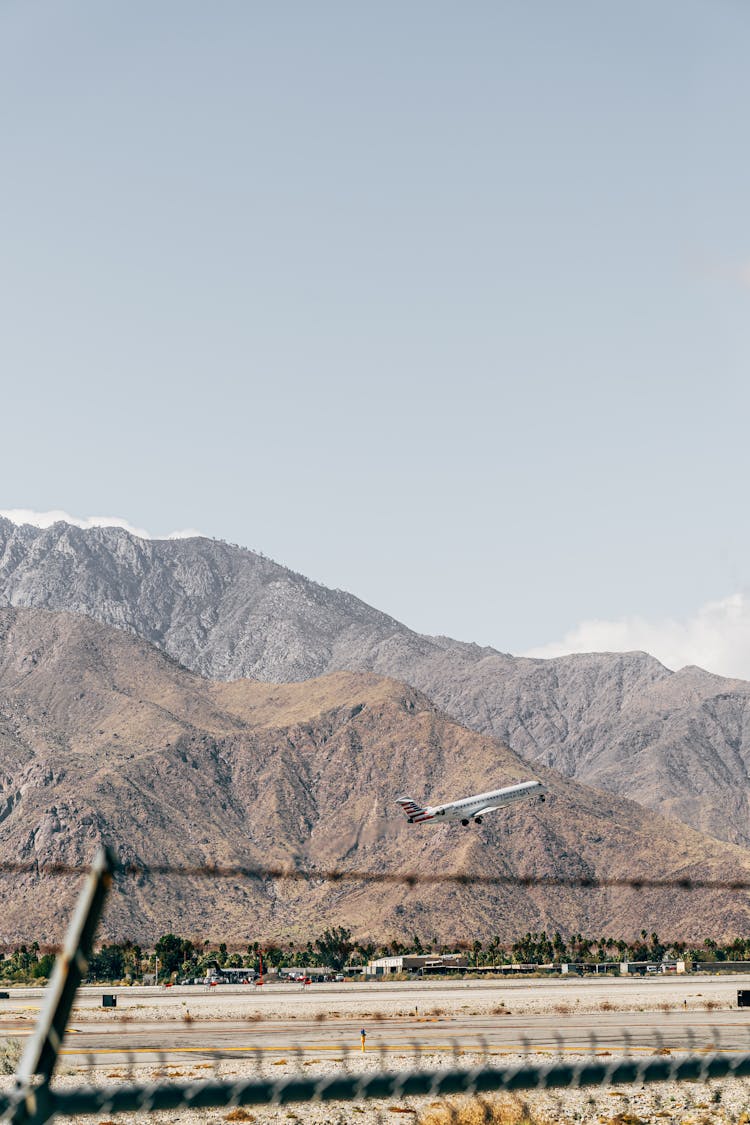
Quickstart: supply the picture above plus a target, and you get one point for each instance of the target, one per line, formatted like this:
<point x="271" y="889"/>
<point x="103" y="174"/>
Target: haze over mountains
<point x="103" y="736"/>
<point x="678" y="742"/>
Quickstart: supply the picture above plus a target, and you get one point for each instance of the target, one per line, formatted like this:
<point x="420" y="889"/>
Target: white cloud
<point x="47" y="519"/>
<point x="716" y="637"/>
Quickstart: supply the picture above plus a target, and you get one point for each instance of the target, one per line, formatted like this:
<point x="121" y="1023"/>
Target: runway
<point x="120" y="1043"/>
<point x="201" y="1027"/>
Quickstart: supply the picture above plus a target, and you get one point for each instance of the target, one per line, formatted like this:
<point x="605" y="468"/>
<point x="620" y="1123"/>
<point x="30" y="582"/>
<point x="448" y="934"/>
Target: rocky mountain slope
<point x="677" y="742"/>
<point x="104" y="737"/>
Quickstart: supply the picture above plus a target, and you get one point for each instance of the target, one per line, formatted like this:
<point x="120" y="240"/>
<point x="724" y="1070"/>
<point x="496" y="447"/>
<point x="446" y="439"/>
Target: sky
<point x="445" y="305"/>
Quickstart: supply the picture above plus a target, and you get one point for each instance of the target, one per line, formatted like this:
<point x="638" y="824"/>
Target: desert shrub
<point x="10" y="1053"/>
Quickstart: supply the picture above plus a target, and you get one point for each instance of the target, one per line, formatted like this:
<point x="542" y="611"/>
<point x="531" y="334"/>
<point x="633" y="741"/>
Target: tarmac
<point x="579" y="1015"/>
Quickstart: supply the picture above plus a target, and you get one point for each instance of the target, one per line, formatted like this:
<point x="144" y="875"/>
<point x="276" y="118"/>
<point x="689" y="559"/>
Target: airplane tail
<point x="411" y="808"/>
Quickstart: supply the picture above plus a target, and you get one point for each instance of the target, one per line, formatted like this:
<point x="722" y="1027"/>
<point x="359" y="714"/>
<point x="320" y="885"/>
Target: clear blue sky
<point x="445" y="304"/>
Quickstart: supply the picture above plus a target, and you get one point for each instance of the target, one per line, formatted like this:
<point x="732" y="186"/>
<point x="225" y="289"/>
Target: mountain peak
<point x="677" y="742"/>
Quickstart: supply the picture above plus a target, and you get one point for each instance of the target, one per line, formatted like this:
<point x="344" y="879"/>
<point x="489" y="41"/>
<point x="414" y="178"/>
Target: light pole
<point x="157" y="972"/>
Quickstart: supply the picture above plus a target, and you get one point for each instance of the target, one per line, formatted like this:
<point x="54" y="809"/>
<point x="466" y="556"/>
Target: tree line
<point x="180" y="958"/>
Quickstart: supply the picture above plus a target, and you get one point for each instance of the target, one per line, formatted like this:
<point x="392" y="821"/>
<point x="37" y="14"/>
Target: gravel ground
<point x="397" y="998"/>
<point x="722" y="1102"/>
<point x="690" y="1103"/>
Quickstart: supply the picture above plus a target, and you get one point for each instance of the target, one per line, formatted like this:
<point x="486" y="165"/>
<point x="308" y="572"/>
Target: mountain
<point x="104" y="737"/>
<point x="678" y="742"/>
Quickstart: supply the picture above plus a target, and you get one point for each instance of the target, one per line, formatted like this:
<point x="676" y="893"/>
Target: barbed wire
<point x="35" y="1098"/>
<point x="261" y="873"/>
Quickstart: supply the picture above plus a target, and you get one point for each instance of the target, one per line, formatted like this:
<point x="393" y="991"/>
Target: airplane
<point x="472" y="808"/>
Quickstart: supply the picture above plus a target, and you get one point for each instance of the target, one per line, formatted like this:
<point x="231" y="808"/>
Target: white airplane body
<point x="472" y="808"/>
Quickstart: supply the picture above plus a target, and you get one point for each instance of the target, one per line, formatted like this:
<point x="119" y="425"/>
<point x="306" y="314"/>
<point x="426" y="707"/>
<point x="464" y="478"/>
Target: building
<point x="627" y="968"/>
<point x="583" y="968"/>
<point x="413" y="963"/>
<point x="220" y="975"/>
<point x="316" y="973"/>
<point x="721" y="966"/>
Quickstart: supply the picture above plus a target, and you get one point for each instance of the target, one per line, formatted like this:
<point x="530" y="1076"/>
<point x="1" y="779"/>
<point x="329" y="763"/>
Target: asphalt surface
<point x="117" y="1043"/>
<point x="153" y="1026"/>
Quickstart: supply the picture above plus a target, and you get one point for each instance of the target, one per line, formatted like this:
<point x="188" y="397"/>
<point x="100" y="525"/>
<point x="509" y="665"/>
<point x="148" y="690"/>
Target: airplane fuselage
<point x="473" y="808"/>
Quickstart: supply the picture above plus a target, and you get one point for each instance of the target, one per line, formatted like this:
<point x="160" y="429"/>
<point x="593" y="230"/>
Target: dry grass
<point x="562" y="1009"/>
<point x="481" y="1111"/>
<point x="239" y="1114"/>
<point x="279" y="1062"/>
<point x="606" y="1006"/>
<point x="711" y="1005"/>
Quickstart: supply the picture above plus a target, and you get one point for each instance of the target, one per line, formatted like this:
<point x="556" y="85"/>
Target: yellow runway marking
<point x="499" y="1049"/>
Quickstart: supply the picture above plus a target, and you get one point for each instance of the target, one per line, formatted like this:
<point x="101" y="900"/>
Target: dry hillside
<point x="675" y="742"/>
<point x="103" y="737"/>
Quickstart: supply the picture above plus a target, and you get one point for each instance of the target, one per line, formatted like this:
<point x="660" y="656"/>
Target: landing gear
<point x="477" y="820"/>
<point x="410" y="820"/>
<point x="542" y="799"/>
<point x="464" y="822"/>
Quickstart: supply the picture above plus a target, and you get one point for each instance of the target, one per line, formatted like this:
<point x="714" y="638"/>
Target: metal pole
<point x="42" y="1049"/>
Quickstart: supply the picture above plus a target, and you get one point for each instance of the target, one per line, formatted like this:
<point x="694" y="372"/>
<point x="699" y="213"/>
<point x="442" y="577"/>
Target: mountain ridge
<point x="104" y="737"/>
<point x="678" y="742"/>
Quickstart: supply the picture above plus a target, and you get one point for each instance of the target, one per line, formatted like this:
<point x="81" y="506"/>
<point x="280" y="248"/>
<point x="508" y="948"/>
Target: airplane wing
<point x="484" y="811"/>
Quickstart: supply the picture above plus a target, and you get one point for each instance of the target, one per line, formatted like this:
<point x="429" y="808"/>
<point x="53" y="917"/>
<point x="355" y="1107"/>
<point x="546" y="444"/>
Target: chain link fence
<point x="452" y="1081"/>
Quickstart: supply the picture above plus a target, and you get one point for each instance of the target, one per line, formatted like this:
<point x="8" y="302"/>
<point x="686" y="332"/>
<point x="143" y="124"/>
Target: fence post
<point x="42" y="1049"/>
